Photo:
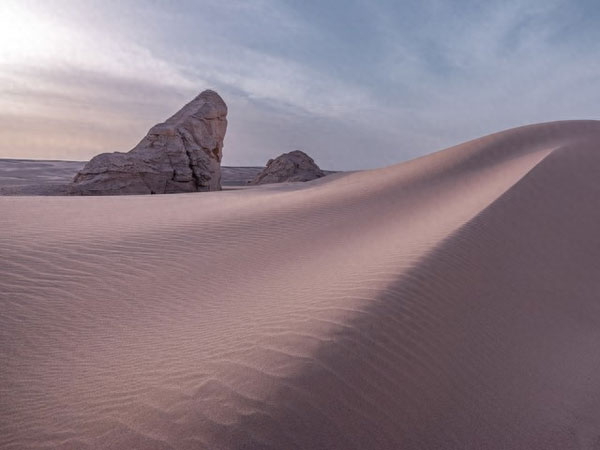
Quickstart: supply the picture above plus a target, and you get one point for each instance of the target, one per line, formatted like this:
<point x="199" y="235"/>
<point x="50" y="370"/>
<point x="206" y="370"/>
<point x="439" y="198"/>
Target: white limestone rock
<point x="182" y="154"/>
<point x="292" y="166"/>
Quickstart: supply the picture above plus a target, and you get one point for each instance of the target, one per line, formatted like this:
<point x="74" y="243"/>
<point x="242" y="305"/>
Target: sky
<point x="355" y="84"/>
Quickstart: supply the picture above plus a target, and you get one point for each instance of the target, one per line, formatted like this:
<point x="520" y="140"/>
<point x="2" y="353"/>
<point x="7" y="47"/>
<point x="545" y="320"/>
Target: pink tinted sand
<point x="450" y="302"/>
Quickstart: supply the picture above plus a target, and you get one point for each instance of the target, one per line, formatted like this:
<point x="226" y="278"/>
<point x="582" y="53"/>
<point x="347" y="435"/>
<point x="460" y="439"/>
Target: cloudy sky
<point x="356" y="84"/>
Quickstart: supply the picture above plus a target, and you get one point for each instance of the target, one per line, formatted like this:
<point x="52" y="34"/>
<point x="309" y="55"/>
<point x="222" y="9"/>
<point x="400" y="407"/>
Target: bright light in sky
<point x="354" y="84"/>
<point x="26" y="35"/>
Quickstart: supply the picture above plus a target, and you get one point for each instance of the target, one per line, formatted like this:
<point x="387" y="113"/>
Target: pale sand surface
<point x="450" y="302"/>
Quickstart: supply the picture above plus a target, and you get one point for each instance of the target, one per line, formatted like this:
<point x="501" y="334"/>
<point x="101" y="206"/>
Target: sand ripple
<point x="450" y="302"/>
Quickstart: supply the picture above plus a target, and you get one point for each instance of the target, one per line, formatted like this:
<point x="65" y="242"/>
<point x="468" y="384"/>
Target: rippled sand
<point x="450" y="302"/>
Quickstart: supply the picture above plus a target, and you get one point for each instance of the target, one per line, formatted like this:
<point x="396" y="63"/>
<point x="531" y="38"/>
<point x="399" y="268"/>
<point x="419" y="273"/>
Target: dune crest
<point x="447" y="302"/>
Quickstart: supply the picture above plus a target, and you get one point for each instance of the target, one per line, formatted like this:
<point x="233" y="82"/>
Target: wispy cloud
<point x="355" y="84"/>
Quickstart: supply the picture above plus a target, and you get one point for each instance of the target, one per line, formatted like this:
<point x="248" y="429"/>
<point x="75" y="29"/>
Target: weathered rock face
<point x="292" y="166"/>
<point x="182" y="154"/>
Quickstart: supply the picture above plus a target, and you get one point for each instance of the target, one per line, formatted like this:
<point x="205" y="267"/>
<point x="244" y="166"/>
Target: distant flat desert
<point x="48" y="177"/>
<point x="450" y="302"/>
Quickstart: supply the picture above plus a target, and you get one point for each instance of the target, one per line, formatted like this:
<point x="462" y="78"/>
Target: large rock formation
<point x="182" y="154"/>
<point x="292" y="166"/>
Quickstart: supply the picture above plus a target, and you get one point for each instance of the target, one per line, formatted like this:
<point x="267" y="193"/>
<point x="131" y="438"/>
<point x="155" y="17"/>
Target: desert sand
<point x="448" y="302"/>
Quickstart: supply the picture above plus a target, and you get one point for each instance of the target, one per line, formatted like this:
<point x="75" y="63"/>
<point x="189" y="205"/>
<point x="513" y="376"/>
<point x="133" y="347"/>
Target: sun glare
<point x="26" y="34"/>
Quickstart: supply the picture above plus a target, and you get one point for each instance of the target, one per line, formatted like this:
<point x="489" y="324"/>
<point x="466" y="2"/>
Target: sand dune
<point x="449" y="302"/>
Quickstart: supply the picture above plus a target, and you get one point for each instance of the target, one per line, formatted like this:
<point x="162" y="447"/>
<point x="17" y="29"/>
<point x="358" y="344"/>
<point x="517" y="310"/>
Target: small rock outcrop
<point x="292" y="166"/>
<point x="182" y="154"/>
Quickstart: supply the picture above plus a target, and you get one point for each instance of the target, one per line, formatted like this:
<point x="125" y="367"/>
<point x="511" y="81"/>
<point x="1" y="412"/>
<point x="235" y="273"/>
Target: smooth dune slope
<point x="450" y="302"/>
